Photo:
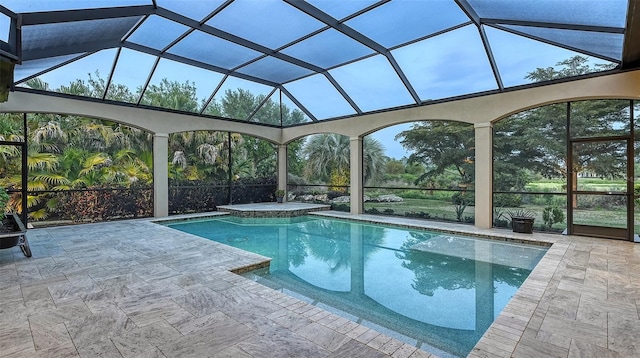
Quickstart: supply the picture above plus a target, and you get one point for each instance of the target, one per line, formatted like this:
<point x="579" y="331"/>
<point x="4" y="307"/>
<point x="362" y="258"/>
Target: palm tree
<point x="327" y="156"/>
<point x="202" y="155"/>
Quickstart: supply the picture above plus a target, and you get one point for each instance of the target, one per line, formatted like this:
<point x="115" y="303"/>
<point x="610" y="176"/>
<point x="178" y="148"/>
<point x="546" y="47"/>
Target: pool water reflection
<point x="437" y="291"/>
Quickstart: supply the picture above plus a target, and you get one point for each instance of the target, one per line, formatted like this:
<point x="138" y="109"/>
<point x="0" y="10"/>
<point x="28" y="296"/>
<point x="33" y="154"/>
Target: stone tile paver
<point x="138" y="289"/>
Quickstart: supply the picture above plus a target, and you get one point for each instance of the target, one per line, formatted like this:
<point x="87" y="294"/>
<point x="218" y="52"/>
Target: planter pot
<point x="522" y="224"/>
<point x="15" y="235"/>
<point x="279" y="199"/>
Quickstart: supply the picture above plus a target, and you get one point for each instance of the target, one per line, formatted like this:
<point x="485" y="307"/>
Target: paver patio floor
<point x="138" y="289"/>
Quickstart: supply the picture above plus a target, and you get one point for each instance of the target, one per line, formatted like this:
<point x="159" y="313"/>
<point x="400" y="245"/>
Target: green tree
<point x="530" y="142"/>
<point x="66" y="151"/>
<point x="260" y="154"/>
<point x="441" y="146"/>
<point x="434" y="271"/>
<point x="239" y="104"/>
<point x="571" y="67"/>
<point x="533" y="142"/>
<point x="173" y="95"/>
<point x="328" y="155"/>
<point x="394" y="166"/>
<point x="295" y="159"/>
<point x="200" y="155"/>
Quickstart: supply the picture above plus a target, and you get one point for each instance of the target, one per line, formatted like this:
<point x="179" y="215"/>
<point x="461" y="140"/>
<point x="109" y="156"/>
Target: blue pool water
<point x="437" y="291"/>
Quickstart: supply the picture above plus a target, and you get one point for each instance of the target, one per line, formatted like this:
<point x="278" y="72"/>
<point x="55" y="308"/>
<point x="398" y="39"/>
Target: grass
<point x="439" y="206"/>
<point x="587" y="184"/>
<point x="437" y="209"/>
<point x="445" y="210"/>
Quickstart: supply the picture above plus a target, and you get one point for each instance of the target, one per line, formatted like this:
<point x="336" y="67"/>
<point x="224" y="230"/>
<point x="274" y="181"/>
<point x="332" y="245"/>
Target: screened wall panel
<point x="33" y="67"/>
<point x="148" y="35"/>
<point x="270" y="23"/>
<point x="397" y="22"/>
<point x="89" y="74"/>
<point x="274" y="70"/>
<point x="170" y="86"/>
<point x="237" y="98"/>
<point x="531" y="145"/>
<point x="335" y="58"/>
<point x="372" y="84"/>
<point x="327" y="49"/>
<point x="581" y="185"/>
<point x="320" y="97"/>
<point x="583" y="12"/>
<point x="196" y="9"/>
<point x="636" y="166"/>
<point x="438" y="67"/>
<point x="87" y="36"/>
<point x="599" y="118"/>
<point x="227" y="55"/>
<point x="211" y="168"/>
<point x="127" y="81"/>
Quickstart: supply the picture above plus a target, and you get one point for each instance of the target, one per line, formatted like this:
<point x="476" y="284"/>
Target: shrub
<point x="414" y="214"/>
<point x="507" y="200"/>
<point x="463" y="198"/>
<point x="372" y="211"/>
<point x="520" y="213"/>
<point x="413" y="194"/>
<point x="332" y="194"/>
<point x="196" y="196"/>
<point x="340" y="207"/>
<point x="102" y="204"/>
<point x="251" y="190"/>
<point x="4" y="199"/>
<point x="552" y="215"/>
<point x="500" y="217"/>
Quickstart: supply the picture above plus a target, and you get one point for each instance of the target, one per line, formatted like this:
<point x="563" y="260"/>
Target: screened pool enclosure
<point x="157" y="107"/>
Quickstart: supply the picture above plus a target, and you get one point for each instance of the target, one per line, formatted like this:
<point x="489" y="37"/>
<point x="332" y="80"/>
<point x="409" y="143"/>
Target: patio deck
<point x="138" y="289"/>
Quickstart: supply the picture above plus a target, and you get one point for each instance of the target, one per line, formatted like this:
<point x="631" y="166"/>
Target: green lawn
<point x="437" y="209"/>
<point x="440" y="207"/>
<point x="445" y="210"/>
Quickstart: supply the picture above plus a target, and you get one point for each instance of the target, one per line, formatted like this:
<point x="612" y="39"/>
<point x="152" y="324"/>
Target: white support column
<point x="356" y="182"/>
<point x="282" y="169"/>
<point x="484" y="175"/>
<point x="160" y="175"/>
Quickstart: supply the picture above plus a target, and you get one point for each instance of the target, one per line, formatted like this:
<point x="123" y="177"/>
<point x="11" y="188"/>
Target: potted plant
<point x="279" y="195"/>
<point x="12" y="230"/>
<point x="521" y="220"/>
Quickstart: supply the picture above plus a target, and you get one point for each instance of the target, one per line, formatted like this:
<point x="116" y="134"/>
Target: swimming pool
<point x="437" y="291"/>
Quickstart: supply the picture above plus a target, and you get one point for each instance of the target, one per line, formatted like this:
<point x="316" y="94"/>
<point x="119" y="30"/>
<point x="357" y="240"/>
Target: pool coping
<point x="505" y="332"/>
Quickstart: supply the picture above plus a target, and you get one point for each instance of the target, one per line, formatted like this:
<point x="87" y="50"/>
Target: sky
<point x="393" y="148"/>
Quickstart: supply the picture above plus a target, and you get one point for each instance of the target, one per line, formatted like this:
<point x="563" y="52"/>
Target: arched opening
<point x="428" y="171"/>
<point x="318" y="170"/>
<point x="78" y="169"/>
<point x="210" y="168"/>
<point x="568" y="165"/>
